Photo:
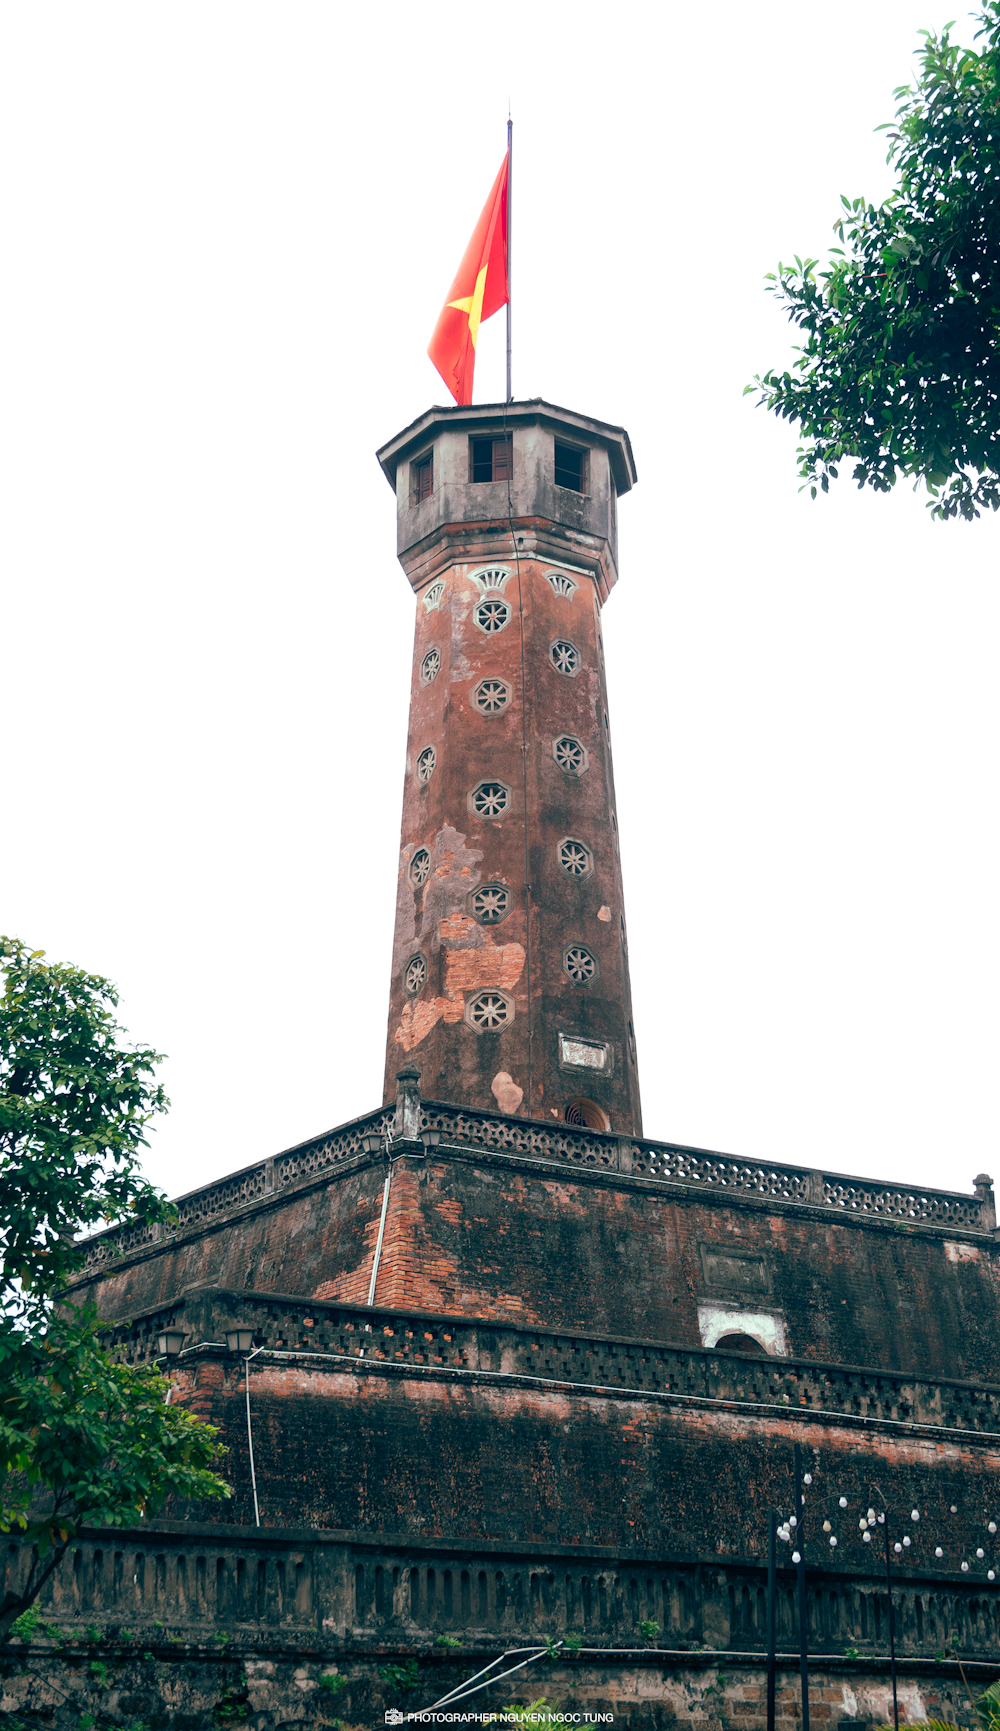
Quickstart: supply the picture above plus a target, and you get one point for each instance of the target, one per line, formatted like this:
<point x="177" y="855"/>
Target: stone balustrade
<point x="556" y="1144"/>
<point x="187" y="1582"/>
<point x="376" y="1338"/>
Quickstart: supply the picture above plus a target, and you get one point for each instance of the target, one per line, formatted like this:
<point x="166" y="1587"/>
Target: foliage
<point x="74" y="1103"/>
<point x="900" y="367"/>
<point x="83" y="1439"/>
<point x="232" y="1704"/>
<point x="332" y="1682"/>
<point x="402" y="1677"/>
<point x="988" y="1707"/>
<point x="541" y="1712"/>
<point x="449" y="1642"/>
<point x="649" y="1630"/>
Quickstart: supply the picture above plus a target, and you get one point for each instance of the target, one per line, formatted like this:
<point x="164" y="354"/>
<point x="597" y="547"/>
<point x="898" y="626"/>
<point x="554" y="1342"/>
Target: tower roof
<point x="614" y="439"/>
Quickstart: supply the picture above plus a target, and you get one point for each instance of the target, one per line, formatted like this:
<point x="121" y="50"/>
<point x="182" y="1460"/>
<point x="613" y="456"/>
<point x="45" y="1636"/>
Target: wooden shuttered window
<point x="422" y="477"/>
<point x="491" y="459"/>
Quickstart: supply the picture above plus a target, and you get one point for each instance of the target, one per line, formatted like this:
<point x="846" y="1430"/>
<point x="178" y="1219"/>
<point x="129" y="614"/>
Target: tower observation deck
<point x="510" y="977"/>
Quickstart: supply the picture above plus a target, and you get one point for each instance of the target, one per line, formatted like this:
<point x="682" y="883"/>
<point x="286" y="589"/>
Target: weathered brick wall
<point x="460" y="1457"/>
<point x="194" y="1688"/>
<point x="494" y="1235"/>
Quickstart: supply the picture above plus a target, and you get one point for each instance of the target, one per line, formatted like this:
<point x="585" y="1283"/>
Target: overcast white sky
<point x="228" y="230"/>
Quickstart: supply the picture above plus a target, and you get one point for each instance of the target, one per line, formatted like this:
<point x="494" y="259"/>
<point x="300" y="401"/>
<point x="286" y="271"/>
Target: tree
<point x="83" y="1438"/>
<point x="900" y="368"/>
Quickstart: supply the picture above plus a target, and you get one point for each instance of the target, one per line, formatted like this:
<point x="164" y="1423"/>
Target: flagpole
<point x="510" y="230"/>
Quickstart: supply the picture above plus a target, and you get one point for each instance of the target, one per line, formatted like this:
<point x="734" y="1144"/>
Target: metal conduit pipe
<point x="253" y="1471"/>
<point x="381" y="1233"/>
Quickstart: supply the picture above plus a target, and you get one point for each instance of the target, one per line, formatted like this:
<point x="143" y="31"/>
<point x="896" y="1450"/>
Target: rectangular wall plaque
<point x="583" y="1054"/>
<point x="733" y="1272"/>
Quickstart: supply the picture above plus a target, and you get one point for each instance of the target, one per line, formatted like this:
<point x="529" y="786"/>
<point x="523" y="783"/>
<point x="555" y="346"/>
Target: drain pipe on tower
<point x="253" y="1471"/>
<point x="381" y="1224"/>
<point x="405" y="1129"/>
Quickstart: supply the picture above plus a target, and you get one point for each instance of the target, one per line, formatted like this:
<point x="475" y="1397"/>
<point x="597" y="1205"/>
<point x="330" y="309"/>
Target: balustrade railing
<point x="560" y="1144"/>
<point x="432" y="1342"/>
<point x="258" y="1586"/>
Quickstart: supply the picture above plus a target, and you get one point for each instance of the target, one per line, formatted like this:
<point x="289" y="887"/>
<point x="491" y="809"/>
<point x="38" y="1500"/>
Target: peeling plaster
<point x="506" y="1092"/>
<point x="454" y="871"/>
<point x="469" y="969"/>
<point x="960" y="1252"/>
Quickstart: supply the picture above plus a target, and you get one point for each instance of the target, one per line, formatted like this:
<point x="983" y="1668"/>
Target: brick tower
<point x="510" y="979"/>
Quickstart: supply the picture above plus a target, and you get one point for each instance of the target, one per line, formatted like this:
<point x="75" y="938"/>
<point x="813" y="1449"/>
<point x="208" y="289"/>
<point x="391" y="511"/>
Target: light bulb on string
<point x="954" y="1508"/>
<point x="990" y="1576"/>
<point x="965" y="1568"/>
<point x="833" y="1541"/>
<point x="797" y="1559"/>
<point x="827" y="1527"/>
<point x="938" y="1552"/>
<point x="793" y="1520"/>
<point x="843" y="1502"/>
<point x="807" y="1478"/>
<point x="881" y="1520"/>
<point x="871" y="1516"/>
<point x="914" y="1514"/>
<point x="980" y="1554"/>
<point x="992" y="1527"/>
<point x="897" y="1547"/>
<point x="867" y="1537"/>
<point x="906" y="1539"/>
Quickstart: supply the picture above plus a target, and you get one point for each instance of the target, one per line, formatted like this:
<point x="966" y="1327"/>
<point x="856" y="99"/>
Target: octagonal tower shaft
<point x="510" y="979"/>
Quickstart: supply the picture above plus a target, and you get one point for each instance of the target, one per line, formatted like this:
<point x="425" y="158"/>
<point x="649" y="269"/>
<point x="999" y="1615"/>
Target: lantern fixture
<point x="239" y="1339"/>
<point x="170" y="1342"/>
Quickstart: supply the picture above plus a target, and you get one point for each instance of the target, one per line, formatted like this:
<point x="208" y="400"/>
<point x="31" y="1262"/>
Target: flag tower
<point x="510" y="978"/>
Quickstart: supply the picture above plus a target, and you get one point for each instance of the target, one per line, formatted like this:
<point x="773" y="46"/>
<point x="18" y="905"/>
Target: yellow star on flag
<point x="473" y="304"/>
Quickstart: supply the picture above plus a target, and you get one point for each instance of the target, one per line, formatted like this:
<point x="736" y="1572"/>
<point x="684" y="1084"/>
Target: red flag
<point x="479" y="290"/>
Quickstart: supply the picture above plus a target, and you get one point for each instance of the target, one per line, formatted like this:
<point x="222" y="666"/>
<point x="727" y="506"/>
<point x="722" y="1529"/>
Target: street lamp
<point x="239" y="1339"/>
<point x="170" y="1342"/>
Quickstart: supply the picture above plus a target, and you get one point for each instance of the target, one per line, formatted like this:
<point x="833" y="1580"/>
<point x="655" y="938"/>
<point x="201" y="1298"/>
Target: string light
<point x="867" y="1526"/>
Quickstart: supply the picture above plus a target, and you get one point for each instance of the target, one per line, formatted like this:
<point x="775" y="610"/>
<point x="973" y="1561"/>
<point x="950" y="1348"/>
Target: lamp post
<point x="790" y="1531"/>
<point x="799" y="1558"/>
<point x="771" y="1642"/>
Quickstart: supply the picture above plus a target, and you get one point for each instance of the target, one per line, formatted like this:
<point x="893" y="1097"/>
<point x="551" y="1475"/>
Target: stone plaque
<point x="733" y="1270"/>
<point x="582" y="1054"/>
